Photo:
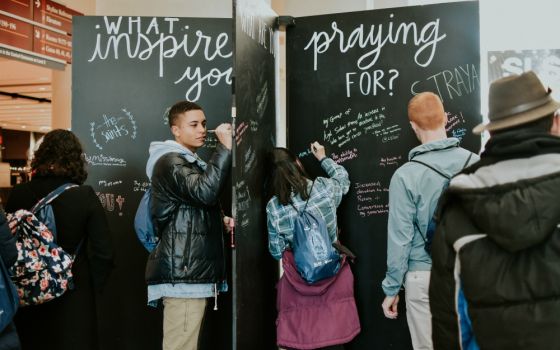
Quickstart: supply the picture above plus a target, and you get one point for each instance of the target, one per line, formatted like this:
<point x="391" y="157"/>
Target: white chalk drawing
<point x="113" y="127"/>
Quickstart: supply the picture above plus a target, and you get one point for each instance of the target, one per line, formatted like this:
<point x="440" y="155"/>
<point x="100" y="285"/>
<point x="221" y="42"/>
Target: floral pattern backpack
<point x="43" y="270"/>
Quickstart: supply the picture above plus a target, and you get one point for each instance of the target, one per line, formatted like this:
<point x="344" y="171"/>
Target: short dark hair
<point x="286" y="176"/>
<point x="60" y="154"/>
<point x="180" y="108"/>
<point x="543" y="124"/>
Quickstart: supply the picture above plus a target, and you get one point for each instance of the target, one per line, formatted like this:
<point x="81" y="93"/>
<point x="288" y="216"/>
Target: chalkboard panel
<point x="126" y="72"/>
<point x="350" y="77"/>
<point x="255" y="270"/>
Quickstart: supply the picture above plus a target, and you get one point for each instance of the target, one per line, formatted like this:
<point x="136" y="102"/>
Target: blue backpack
<point x="143" y="224"/>
<point x="314" y="254"/>
<point x="8" y="297"/>
<point x="431" y="229"/>
<point x="43" y="209"/>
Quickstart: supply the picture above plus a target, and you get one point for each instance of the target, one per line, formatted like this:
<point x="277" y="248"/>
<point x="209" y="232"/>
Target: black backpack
<point x="431" y="229"/>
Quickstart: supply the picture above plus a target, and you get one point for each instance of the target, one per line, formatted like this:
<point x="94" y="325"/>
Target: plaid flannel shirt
<point x="324" y="199"/>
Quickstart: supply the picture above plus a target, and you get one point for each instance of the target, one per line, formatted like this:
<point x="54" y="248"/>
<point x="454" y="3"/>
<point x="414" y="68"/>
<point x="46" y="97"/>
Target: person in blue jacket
<point x="413" y="195"/>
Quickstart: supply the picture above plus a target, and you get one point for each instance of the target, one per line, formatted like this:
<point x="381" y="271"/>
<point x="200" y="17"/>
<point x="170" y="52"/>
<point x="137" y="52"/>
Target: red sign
<point x="32" y="37"/>
<point x="16" y="33"/>
<point x="54" y="15"/>
<point x="20" y="8"/>
<point x="52" y="44"/>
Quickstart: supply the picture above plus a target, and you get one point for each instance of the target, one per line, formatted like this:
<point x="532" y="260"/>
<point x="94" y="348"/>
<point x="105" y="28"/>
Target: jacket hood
<point x="515" y="202"/>
<point x="299" y="284"/>
<point x="433" y="146"/>
<point x="159" y="148"/>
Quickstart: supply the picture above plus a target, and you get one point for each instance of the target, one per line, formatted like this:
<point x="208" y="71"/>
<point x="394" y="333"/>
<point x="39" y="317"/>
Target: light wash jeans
<point x="418" y="314"/>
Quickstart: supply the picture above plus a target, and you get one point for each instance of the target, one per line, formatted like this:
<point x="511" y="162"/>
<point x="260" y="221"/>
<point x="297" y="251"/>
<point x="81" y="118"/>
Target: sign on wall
<point x="37" y="31"/>
<point x="545" y="63"/>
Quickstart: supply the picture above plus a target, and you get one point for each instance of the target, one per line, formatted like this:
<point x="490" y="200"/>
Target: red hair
<point x="426" y="110"/>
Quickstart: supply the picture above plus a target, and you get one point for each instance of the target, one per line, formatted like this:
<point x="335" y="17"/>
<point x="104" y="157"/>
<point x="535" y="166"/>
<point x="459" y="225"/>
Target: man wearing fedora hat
<point x="495" y="280"/>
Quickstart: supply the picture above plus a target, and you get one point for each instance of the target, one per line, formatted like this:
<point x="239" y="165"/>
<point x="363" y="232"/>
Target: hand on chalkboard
<point x="224" y="134"/>
<point x="318" y="150"/>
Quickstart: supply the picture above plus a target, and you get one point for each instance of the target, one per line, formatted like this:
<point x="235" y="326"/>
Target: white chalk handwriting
<point x="141" y="38"/>
<point x="374" y="37"/>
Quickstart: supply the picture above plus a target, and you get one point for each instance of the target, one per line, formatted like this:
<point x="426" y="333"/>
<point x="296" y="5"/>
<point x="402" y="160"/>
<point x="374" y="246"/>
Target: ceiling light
<point x="23" y="126"/>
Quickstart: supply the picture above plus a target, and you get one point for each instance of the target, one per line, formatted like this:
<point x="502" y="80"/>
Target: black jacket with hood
<point x="188" y="219"/>
<point x="511" y="276"/>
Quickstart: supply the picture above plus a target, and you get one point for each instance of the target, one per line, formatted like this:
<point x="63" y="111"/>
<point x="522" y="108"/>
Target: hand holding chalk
<point x="224" y="134"/>
<point x="318" y="150"/>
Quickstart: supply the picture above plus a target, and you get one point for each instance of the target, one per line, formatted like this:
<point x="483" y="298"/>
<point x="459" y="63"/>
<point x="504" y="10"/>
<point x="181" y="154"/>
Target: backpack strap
<point x="425" y="239"/>
<point x="468" y="161"/>
<point x="431" y="167"/>
<point x="442" y="174"/>
<point x="51" y="196"/>
<point x="307" y="201"/>
<point x="310" y="191"/>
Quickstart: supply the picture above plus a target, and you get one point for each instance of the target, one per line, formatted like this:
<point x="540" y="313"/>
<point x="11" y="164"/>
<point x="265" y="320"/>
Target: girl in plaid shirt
<point x="290" y="188"/>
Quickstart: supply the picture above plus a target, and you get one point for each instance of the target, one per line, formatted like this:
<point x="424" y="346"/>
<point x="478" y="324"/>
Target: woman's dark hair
<point x="60" y="154"/>
<point x="287" y="176"/>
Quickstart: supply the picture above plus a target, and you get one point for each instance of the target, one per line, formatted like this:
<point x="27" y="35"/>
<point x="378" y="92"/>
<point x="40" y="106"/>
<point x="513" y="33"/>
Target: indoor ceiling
<point x="23" y="79"/>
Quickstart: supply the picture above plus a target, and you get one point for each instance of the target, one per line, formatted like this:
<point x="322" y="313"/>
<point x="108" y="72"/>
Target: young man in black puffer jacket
<point x="188" y="264"/>
<point x="499" y="231"/>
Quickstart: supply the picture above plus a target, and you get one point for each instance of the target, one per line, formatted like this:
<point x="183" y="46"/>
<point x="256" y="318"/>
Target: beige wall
<point x="177" y="8"/>
<point x="301" y="8"/>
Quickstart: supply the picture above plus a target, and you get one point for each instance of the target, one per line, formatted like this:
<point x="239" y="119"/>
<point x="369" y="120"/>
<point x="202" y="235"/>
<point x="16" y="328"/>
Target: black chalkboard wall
<point x="256" y="272"/>
<point x="126" y="72"/>
<point x="350" y="77"/>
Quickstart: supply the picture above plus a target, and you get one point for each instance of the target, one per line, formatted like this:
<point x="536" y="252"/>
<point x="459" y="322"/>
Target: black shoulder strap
<point x="307" y="201"/>
<point x="468" y="161"/>
<point x="309" y="195"/>
<point x="431" y="167"/>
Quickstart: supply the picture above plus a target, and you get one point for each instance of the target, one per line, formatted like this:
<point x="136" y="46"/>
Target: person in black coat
<point x="8" y="336"/>
<point x="188" y="265"/>
<point x="68" y="322"/>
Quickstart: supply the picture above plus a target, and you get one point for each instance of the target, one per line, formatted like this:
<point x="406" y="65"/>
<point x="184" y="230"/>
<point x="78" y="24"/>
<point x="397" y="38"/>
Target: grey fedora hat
<point x="516" y="100"/>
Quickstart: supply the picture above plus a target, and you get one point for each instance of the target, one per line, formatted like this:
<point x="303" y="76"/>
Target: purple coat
<point x="317" y="315"/>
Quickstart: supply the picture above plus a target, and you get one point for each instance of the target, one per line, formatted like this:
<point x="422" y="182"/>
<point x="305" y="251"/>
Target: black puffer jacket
<point x="511" y="277"/>
<point x="188" y="219"/>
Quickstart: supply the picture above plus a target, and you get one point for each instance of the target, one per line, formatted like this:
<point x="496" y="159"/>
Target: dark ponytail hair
<point x="286" y="176"/>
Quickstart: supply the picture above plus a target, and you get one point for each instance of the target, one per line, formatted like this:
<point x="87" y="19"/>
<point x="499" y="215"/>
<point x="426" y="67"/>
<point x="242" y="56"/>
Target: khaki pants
<point x="182" y="318"/>
<point x="418" y="314"/>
